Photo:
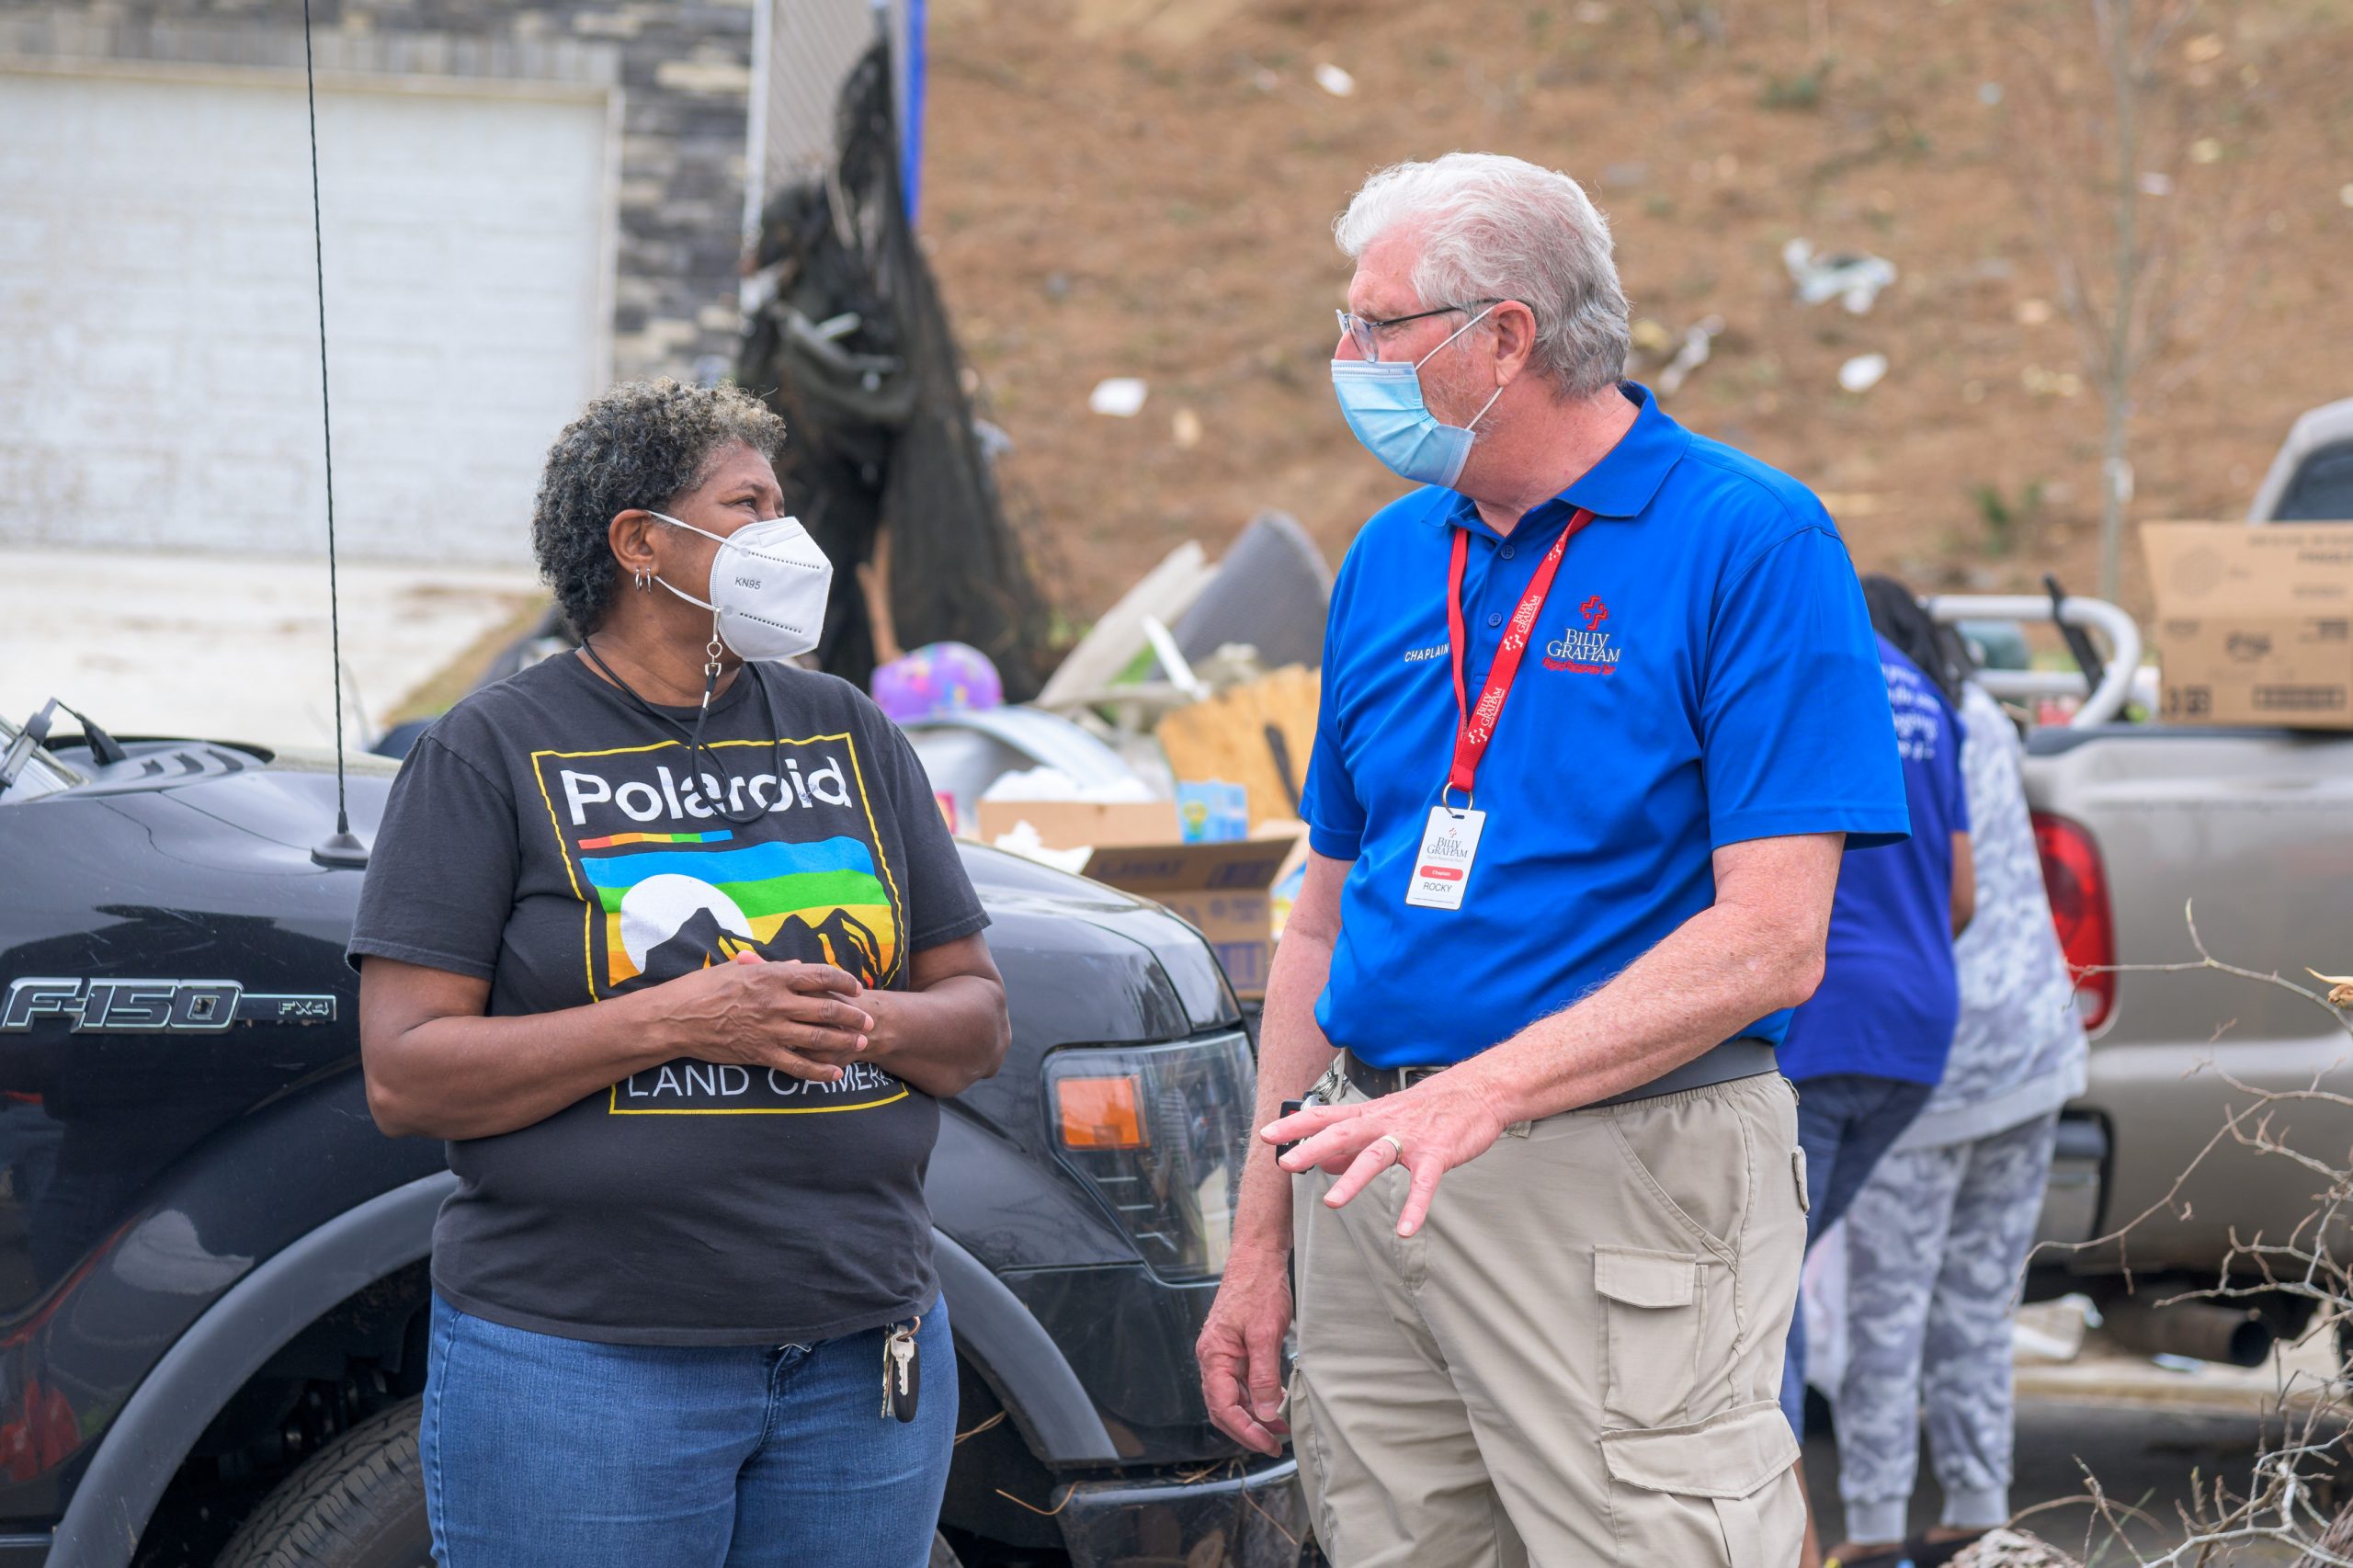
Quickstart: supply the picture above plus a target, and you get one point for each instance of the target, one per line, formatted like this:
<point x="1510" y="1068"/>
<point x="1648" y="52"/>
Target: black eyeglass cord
<point x="697" y="753"/>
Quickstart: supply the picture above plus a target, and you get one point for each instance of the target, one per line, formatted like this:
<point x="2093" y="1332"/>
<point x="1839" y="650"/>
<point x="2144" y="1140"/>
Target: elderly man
<point x="1601" y="705"/>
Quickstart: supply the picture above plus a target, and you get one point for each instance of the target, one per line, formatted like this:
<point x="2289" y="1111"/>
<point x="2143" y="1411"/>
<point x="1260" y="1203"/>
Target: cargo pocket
<point x="1654" y="1317"/>
<point x="1717" y="1493"/>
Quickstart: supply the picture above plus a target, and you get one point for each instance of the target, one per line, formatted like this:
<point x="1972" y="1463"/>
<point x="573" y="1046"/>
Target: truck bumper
<point x="1256" y="1515"/>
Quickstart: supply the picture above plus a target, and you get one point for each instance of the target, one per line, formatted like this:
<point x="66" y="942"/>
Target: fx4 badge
<point x="154" y="1007"/>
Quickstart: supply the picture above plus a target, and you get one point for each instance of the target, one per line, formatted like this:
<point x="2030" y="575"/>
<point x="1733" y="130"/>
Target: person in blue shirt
<point x="1869" y="1048"/>
<point x="1600" y="708"/>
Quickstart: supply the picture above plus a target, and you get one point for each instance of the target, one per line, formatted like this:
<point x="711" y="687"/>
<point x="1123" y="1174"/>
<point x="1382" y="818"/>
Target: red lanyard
<point x="1478" y="725"/>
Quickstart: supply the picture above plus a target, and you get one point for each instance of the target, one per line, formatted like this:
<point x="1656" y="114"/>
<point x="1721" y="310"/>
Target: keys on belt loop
<point x="1292" y="1108"/>
<point x="902" y="1372"/>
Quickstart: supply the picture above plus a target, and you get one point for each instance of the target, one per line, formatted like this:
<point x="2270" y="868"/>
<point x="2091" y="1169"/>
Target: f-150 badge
<point x="154" y="1007"/>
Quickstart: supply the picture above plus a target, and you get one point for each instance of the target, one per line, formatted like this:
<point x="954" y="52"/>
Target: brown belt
<point x="1745" y="1057"/>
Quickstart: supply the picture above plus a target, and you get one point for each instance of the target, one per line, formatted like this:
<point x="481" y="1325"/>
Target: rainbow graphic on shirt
<point x="622" y="840"/>
<point x="814" y="902"/>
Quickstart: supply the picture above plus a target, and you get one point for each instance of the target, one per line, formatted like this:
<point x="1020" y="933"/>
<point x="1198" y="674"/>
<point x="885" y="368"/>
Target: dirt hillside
<point x="1144" y="188"/>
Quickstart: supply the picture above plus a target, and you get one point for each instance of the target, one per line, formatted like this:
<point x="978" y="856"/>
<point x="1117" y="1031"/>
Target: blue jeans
<point x="544" y="1452"/>
<point x="1845" y="1122"/>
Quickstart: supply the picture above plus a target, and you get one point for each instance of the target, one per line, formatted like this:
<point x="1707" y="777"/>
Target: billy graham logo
<point x="1590" y="652"/>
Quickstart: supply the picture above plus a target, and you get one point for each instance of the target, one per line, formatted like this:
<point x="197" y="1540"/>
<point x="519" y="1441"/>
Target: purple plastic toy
<point x="938" y="677"/>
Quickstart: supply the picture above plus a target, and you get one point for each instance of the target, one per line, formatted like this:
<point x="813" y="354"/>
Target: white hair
<point x="1496" y="227"/>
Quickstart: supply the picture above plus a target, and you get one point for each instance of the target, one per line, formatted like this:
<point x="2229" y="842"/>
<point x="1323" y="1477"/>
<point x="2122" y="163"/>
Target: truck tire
<point x="360" y="1503"/>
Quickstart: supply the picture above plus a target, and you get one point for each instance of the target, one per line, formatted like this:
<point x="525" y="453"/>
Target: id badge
<point x="1442" y="866"/>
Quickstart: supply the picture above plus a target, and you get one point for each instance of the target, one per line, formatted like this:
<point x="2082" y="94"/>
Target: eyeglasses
<point x="1361" y="329"/>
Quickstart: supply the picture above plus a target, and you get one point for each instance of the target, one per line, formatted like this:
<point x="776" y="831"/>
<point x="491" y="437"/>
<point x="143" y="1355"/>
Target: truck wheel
<point x="358" y="1503"/>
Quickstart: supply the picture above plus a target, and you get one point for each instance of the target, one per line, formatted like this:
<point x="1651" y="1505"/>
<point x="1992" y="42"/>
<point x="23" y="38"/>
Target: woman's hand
<point x="948" y="1029"/>
<point x="803" y="1019"/>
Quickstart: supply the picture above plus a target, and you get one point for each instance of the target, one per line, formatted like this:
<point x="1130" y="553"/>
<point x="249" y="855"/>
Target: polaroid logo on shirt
<point x="676" y="797"/>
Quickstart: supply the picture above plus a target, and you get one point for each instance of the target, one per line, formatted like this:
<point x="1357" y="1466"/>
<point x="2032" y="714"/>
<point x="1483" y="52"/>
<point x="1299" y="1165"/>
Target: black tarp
<point x="853" y="349"/>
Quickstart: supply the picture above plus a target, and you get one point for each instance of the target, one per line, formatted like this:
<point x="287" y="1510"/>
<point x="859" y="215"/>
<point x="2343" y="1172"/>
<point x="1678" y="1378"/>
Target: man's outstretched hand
<point x="1440" y="1123"/>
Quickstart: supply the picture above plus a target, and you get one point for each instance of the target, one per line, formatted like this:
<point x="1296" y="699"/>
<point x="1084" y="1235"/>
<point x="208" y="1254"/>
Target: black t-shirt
<point x="551" y="836"/>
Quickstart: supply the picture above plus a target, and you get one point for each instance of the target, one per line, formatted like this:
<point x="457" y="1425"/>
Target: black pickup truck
<point x="213" y="1267"/>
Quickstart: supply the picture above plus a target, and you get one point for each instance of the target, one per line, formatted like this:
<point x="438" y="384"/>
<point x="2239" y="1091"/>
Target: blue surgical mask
<point x="1382" y="401"/>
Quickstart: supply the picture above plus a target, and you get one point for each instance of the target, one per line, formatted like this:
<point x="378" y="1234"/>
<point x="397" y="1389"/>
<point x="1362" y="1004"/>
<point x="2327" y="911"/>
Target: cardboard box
<point x="1220" y="888"/>
<point x="1075" y="825"/>
<point x="2255" y="622"/>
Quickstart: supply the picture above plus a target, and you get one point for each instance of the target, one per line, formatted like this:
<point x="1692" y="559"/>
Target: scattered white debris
<point x="1592" y="13"/>
<point x="2049" y="1330"/>
<point x="2206" y="149"/>
<point x="1024" y="841"/>
<point x="1043" y="783"/>
<point x="1334" y="80"/>
<point x="2345" y="193"/>
<point x="1186" y="429"/>
<point x="1173" y="663"/>
<point x="1989" y="92"/>
<point x="1698" y="342"/>
<point x="1854" y="279"/>
<point x="2203" y="48"/>
<point x="2032" y="312"/>
<point x="2012" y="1548"/>
<point x="1862" y="372"/>
<point x="1122" y="397"/>
<point x="2153" y="182"/>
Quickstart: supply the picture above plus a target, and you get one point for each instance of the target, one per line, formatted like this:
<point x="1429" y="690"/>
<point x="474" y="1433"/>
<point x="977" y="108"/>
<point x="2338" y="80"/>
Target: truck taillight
<point x="2077" y="883"/>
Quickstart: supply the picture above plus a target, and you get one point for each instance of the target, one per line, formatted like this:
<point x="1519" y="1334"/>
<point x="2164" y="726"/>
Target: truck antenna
<point x="339" y="847"/>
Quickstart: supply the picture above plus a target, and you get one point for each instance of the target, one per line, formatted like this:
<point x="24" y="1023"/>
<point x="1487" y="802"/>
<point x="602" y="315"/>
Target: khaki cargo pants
<point x="1577" y="1360"/>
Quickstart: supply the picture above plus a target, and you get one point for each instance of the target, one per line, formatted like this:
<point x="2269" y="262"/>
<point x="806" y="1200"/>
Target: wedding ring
<point x="1391" y="1139"/>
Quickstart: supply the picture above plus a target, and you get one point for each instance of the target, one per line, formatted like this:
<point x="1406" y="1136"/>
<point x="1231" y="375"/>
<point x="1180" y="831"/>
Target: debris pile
<point x="1166" y="754"/>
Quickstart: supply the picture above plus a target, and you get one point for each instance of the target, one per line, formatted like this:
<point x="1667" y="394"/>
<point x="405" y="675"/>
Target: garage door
<point x="158" y="348"/>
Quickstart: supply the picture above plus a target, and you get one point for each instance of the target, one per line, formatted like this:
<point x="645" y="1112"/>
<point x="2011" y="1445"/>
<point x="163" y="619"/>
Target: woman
<point x="1937" y="1237"/>
<point x="668" y="939"/>
<point x="1867" y="1049"/>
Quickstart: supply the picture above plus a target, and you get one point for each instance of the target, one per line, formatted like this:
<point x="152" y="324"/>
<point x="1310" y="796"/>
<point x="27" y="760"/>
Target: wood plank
<point x="1224" y="738"/>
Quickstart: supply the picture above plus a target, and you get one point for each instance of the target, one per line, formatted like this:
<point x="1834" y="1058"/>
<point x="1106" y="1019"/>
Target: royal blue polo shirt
<point x="1703" y="673"/>
<point x="1888" y="998"/>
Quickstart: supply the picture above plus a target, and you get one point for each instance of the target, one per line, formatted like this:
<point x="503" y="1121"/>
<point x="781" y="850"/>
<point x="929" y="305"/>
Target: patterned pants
<point x="1934" y="1244"/>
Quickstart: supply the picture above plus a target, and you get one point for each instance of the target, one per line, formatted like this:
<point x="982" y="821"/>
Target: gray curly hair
<point x="1501" y="228"/>
<point x="638" y="444"/>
